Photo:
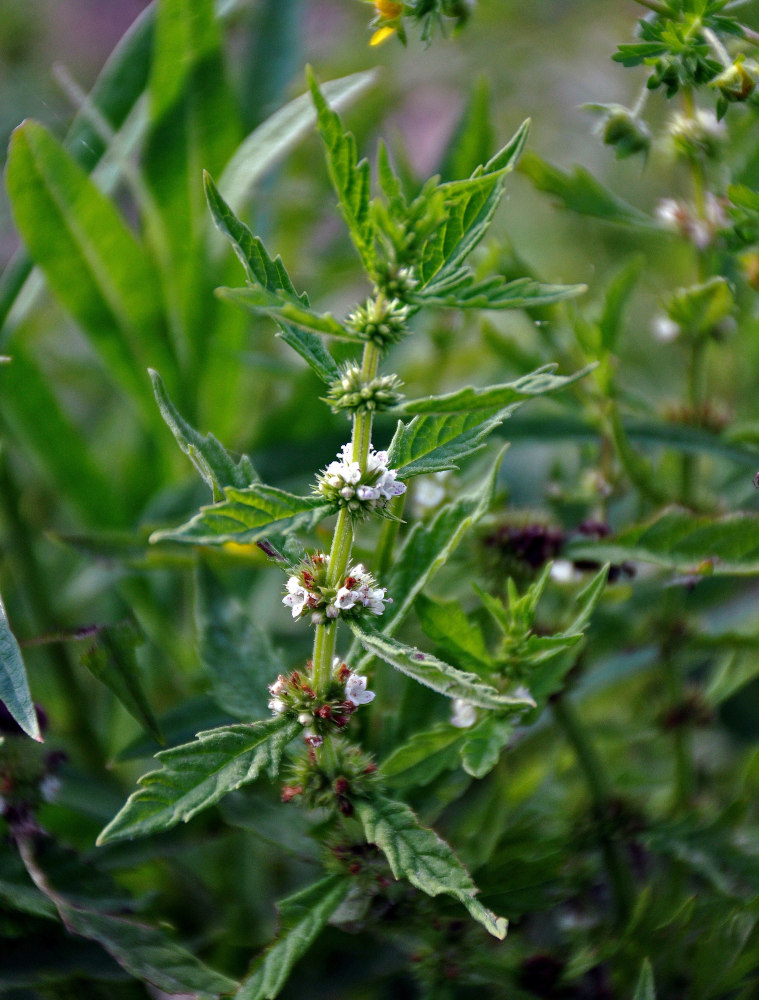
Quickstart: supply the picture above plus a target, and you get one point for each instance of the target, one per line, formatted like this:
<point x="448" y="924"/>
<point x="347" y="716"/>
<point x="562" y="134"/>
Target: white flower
<point x="297" y="596"/>
<point x="277" y="706"/>
<point x="278" y="686"/>
<point x="305" y="719"/>
<point x="563" y="571"/>
<point x="356" y="692"/>
<point x="464" y="714"/>
<point x="345" y="599"/>
<point x="664" y="328"/>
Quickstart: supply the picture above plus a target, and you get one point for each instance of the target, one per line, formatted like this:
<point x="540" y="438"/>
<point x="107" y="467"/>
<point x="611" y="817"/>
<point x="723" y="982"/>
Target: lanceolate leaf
<point x="214" y="463"/>
<point x="484" y="743"/>
<point x="420" y="760"/>
<point x="286" y="312"/>
<point x="302" y="917"/>
<point x="436" y="674"/>
<point x="431" y="443"/>
<point x="349" y="178"/>
<point x="460" y="639"/>
<point x="14" y="687"/>
<point x="462" y="292"/>
<point x="682" y="541"/>
<point x="646" y="988"/>
<point x="249" y="516"/>
<point x="195" y="775"/>
<point x="419" y="855"/>
<point x="492" y="397"/>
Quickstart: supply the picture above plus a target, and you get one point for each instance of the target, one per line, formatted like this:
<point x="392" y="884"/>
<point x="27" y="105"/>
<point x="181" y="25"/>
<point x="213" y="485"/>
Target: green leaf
<point x="679" y="540"/>
<point x="494" y="293"/>
<point x="581" y="193"/>
<point x="646" y="988"/>
<point x="436" y="674"/>
<point x="14" y="687"/>
<point x="285" y="312"/>
<point x="248" y="516"/>
<point x="699" y="309"/>
<point x="734" y="672"/>
<point x="196" y="775"/>
<point x="419" y="855"/>
<point x="112" y="659"/>
<point x="637" y="467"/>
<point x="302" y="918"/>
<point x="422" y="758"/>
<point x="91" y="260"/>
<point x="484" y="743"/>
<point x="617" y="297"/>
<point x="350" y="179"/>
<point x="459" y="637"/>
<point x="214" y="463"/>
<point x="436" y="443"/>
<point x="236" y="653"/>
<point x="473" y="139"/>
<point x="493" y="397"/>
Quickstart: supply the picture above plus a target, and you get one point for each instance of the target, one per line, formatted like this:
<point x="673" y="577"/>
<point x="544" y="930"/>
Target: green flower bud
<point x="737" y="82"/>
<point x="396" y="282"/>
<point x="381" y="321"/>
<point x="626" y="132"/>
<point x="350" y="392"/>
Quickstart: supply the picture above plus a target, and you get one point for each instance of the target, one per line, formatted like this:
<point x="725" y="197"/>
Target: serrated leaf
<point x="582" y="193"/>
<point x="419" y="855"/>
<point x="645" y="989"/>
<point x="214" y="463"/>
<point x="483" y="745"/>
<point x="459" y="637"/>
<point x="14" y="686"/>
<point x="112" y="659"/>
<point x="146" y="952"/>
<point x="423" y="757"/>
<point x="350" y="178"/>
<point x="431" y="443"/>
<point x="493" y="397"/>
<point x="236" y="653"/>
<point x="436" y="674"/>
<point x="196" y="775"/>
<point x="462" y="292"/>
<point x="302" y="918"/>
<point x="679" y="540"/>
<point x="286" y="312"/>
<point x="92" y="262"/>
<point x="248" y="516"/>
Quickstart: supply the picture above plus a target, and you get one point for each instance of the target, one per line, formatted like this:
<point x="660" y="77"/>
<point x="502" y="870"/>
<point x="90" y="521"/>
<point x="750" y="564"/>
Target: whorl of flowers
<point x="350" y="392"/>
<point x="381" y="321"/>
<point x="310" y="594"/>
<point x="343" y="483"/>
<point x="294" y="695"/>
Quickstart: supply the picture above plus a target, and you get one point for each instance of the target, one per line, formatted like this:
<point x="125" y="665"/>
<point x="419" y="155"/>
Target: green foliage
<point x="14" y="686"/>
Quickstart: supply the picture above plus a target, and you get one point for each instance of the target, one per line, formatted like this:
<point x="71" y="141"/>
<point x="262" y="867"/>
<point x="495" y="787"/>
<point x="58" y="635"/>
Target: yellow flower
<point x="388" y="9"/>
<point x="381" y="35"/>
<point x="388" y="20"/>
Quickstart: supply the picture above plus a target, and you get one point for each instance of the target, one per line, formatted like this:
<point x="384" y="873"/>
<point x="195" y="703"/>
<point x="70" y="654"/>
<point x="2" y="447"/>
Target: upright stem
<point x="617" y="868"/>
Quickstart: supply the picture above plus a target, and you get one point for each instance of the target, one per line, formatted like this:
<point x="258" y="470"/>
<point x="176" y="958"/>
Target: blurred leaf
<point x="419" y="760"/>
<point x="210" y="458"/>
<point x="178" y="726"/>
<point x="484" y="744"/>
<point x="636" y="466"/>
<point x="236" y="653"/>
<point x="249" y="516"/>
<point x="459" y="637"/>
<point x="91" y="260"/>
<point x="279" y="134"/>
<point x="473" y="139"/>
<point x="616" y="300"/>
<point x="111" y="658"/>
<point x="14" y="687"/>
<point x="419" y="855"/>
<point x="145" y="952"/>
<point x="581" y="193"/>
<point x="436" y="443"/>
<point x="302" y="917"/>
<point x="350" y="179"/>
<point x="689" y="543"/>
<point x="700" y="308"/>
<point x="194" y="776"/>
<point x="645" y="990"/>
<point x="436" y="674"/>
<point x="469" y="399"/>
<point x="734" y="672"/>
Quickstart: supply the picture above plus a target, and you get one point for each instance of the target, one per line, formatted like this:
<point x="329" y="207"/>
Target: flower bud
<point x="350" y="392"/>
<point x="380" y="321"/>
<point x="626" y="132"/>
<point x="737" y="82"/>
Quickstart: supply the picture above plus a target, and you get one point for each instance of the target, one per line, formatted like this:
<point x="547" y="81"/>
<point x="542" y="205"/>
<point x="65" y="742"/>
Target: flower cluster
<point x="309" y="592"/>
<point x="294" y="695"/>
<point x="381" y="321"/>
<point x="351" y="392"/>
<point x="345" y="484"/>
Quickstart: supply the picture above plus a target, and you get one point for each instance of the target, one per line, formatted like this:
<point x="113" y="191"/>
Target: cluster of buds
<point x="352" y="393"/>
<point x="310" y="594"/>
<point x="294" y="695"/>
<point x="381" y="321"/>
<point x="345" y="484"/>
<point x="352" y="773"/>
<point x="696" y="135"/>
<point x="701" y="230"/>
<point x="395" y="281"/>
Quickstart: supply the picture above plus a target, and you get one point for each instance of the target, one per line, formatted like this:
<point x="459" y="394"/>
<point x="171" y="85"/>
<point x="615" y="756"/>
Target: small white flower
<point x="345" y="599"/>
<point x="278" y="686"/>
<point x="563" y="571"/>
<point x="464" y="714"/>
<point x="356" y="692"/>
<point x="277" y="706"/>
<point x="665" y="329"/>
<point x="305" y="719"/>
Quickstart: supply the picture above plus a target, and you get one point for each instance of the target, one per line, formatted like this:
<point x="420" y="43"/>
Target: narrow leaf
<point x="302" y="918"/>
<point x="196" y="775"/>
<point x="214" y="463"/>
<point x="248" y="516"/>
<point x="112" y="659"/>
<point x="285" y="312"/>
<point x="419" y="855"/>
<point x="436" y="674"/>
<point x="646" y="988"/>
<point x="14" y="687"/>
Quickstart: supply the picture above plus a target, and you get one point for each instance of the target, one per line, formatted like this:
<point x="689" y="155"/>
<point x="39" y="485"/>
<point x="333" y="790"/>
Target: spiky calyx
<point x="351" y="393"/>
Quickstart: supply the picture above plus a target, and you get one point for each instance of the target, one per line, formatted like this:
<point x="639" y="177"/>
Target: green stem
<point x="597" y="782"/>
